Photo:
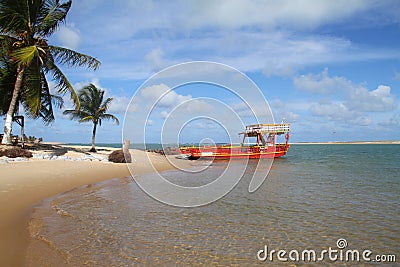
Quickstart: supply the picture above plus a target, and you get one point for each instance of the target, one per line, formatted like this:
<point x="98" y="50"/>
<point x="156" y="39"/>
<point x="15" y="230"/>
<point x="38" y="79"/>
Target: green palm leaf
<point x="87" y="118"/>
<point x="73" y="59"/>
<point x="13" y="17"/>
<point x="110" y="117"/>
<point x="32" y="90"/>
<point x="24" y="25"/>
<point x="62" y="83"/>
<point x="54" y="13"/>
<point x="48" y="100"/>
<point x="25" y="55"/>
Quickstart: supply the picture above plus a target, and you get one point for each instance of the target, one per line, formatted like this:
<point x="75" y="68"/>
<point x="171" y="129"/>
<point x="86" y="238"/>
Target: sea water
<point x="318" y="197"/>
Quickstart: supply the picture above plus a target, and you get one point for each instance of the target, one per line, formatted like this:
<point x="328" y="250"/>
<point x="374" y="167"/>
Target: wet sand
<point x="24" y="184"/>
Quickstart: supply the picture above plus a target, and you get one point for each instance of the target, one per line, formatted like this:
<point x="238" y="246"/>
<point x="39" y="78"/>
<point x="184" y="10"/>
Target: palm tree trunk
<point x="11" y="109"/>
<point x="93" y="149"/>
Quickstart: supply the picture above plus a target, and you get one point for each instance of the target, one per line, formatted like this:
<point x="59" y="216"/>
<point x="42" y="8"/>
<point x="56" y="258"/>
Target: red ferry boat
<point x="266" y="146"/>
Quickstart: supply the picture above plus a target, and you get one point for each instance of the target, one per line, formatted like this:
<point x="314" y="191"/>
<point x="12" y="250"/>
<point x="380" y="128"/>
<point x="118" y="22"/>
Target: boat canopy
<point x="255" y="129"/>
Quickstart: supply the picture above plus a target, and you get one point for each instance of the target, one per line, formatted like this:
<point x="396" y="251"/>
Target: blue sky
<point x="331" y="68"/>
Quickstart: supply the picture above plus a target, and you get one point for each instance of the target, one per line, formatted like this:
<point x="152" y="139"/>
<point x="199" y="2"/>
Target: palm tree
<point x="92" y="108"/>
<point x="7" y="81"/>
<point x="8" y="75"/>
<point x="24" y="27"/>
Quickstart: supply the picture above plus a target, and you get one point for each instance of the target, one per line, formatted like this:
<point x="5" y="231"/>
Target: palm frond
<point x="92" y="108"/>
<point x="72" y="113"/>
<point x="111" y="117"/>
<point x="53" y="13"/>
<point x="72" y="58"/>
<point x="32" y="93"/>
<point x="13" y="17"/>
<point x="57" y="101"/>
<point x="24" y="25"/>
<point x="91" y="98"/>
<point x="46" y="107"/>
<point x="106" y="104"/>
<point x="6" y="43"/>
<point x="24" y="56"/>
<point x="7" y="80"/>
<point x="62" y="83"/>
<point x="87" y="118"/>
<point x="75" y="114"/>
<point x="48" y="101"/>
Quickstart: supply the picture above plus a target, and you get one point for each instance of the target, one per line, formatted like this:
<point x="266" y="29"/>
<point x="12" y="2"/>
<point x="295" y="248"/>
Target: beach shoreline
<point x="24" y="185"/>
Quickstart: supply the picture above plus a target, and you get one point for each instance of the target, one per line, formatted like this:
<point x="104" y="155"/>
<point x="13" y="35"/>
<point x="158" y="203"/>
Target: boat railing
<point x="268" y="128"/>
<point x="227" y="146"/>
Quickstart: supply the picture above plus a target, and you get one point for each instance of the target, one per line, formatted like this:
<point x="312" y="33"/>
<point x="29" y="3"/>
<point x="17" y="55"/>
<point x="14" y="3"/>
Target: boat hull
<point x="231" y="152"/>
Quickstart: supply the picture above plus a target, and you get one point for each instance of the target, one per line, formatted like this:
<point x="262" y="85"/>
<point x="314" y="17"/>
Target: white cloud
<point x="295" y="14"/>
<point x="280" y="69"/>
<point x="379" y="99"/>
<point x="162" y="93"/>
<point x="354" y="103"/>
<point x="286" y="116"/>
<point x="95" y="81"/>
<point x="362" y="121"/>
<point x="164" y="114"/>
<point x="68" y="36"/>
<point x="334" y="111"/>
<point x="255" y="111"/>
<point x="149" y="122"/>
<point x="199" y="106"/>
<point x="392" y="121"/>
<point x="321" y="83"/>
<point x="282" y="112"/>
<point x="205" y="124"/>
<point x="119" y="104"/>
<point x="278" y="53"/>
<point x="358" y="107"/>
<point x="354" y="112"/>
<point x="186" y="16"/>
<point x="155" y="59"/>
<point x="269" y="39"/>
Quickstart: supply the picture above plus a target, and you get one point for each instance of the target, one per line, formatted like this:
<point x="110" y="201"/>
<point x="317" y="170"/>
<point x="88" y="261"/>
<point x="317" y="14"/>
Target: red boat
<point x="265" y="147"/>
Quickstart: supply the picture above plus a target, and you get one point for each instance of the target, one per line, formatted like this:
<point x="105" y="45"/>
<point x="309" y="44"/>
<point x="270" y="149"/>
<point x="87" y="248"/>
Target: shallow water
<point x="314" y="196"/>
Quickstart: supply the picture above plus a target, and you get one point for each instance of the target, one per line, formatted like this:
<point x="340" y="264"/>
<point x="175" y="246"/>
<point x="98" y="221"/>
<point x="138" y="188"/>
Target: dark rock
<point x="118" y="156"/>
<point x="16" y="152"/>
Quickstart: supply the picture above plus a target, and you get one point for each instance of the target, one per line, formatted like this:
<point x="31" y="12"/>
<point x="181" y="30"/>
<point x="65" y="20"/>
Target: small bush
<point x="16" y="152"/>
<point x="117" y="156"/>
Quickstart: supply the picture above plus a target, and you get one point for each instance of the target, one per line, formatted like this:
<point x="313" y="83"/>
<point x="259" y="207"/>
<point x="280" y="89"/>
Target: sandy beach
<point x="24" y="184"/>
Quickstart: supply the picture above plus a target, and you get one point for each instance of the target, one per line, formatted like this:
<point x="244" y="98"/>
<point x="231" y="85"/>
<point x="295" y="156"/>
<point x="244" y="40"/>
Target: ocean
<point x="320" y="205"/>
